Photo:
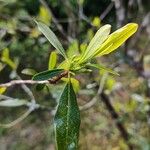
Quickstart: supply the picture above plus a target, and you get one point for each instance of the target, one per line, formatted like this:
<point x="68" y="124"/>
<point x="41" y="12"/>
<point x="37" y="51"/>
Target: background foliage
<point x="75" y="22"/>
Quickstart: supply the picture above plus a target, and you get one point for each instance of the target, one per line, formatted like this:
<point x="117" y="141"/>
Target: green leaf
<point x="46" y="75"/>
<point x="100" y="36"/>
<point x="13" y="103"/>
<point x="73" y="49"/>
<point x="52" y="60"/>
<point x="67" y="120"/>
<point x="100" y="67"/>
<point x="28" y="71"/>
<point x="116" y="39"/>
<point x="75" y="83"/>
<point x="51" y="38"/>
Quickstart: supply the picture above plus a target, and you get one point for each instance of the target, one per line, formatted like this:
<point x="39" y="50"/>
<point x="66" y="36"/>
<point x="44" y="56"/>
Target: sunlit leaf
<point x="6" y="59"/>
<point x="2" y="90"/>
<point x="96" y="21"/>
<point x="44" y="15"/>
<point x="51" y="38"/>
<point x="67" y="120"/>
<point x="48" y="74"/>
<point x="101" y="67"/>
<point x="13" y="103"/>
<point x="100" y="36"/>
<point x="116" y="39"/>
<point x="64" y="65"/>
<point x="52" y="60"/>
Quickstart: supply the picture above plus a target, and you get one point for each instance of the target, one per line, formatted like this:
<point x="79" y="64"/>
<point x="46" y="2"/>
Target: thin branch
<point x="56" y="22"/>
<point x="115" y="116"/>
<point x="18" y="120"/>
<point x="27" y="90"/>
<point x="106" y="11"/>
<point x="15" y="82"/>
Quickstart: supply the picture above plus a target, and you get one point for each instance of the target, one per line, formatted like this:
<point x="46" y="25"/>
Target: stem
<point x="105" y="99"/>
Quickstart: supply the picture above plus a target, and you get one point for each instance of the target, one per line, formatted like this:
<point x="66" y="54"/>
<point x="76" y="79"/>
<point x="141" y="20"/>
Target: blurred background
<point x="24" y="51"/>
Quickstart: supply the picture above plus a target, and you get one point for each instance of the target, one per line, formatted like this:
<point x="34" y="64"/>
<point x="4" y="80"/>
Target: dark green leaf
<point x="45" y="75"/>
<point x="67" y="120"/>
<point x="40" y="87"/>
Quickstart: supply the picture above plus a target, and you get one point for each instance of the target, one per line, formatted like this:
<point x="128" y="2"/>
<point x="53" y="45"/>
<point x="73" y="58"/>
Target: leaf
<point x="75" y="83"/>
<point x="100" y="67"/>
<point x="6" y="59"/>
<point x="52" y="60"/>
<point x="28" y="71"/>
<point x="96" y="21"/>
<point x="116" y="39"/>
<point x="2" y="90"/>
<point x="13" y="103"/>
<point x="100" y="36"/>
<point x="51" y="38"/>
<point x="44" y="15"/>
<point x="45" y="75"/>
<point x="67" y="120"/>
<point x="73" y="49"/>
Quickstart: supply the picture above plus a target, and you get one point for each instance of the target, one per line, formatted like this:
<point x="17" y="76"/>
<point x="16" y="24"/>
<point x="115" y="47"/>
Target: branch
<point x="106" y="11"/>
<point x="15" y="82"/>
<point x="18" y="120"/>
<point x="56" y="22"/>
<point x="105" y="99"/>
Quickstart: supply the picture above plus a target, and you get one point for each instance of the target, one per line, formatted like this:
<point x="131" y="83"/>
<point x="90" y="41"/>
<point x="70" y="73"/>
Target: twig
<point x="15" y="82"/>
<point x="18" y="120"/>
<point x="105" y="99"/>
<point x="107" y="10"/>
<point x="27" y="90"/>
<point x="56" y="22"/>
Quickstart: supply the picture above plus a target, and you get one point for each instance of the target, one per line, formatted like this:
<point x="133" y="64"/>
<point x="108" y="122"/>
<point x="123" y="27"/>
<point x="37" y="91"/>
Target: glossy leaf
<point x="52" y="60"/>
<point x="67" y="120"/>
<point x="101" y="67"/>
<point x="116" y="39"/>
<point x="100" y="36"/>
<point x="51" y="38"/>
<point x="13" y="103"/>
<point x="45" y="75"/>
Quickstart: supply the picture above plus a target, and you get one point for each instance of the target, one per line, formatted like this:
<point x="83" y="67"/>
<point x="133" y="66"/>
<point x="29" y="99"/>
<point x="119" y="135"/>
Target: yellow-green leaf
<point x="100" y="36"/>
<point x="2" y="90"/>
<point x="75" y="83"/>
<point x="96" y="22"/>
<point x="6" y="59"/>
<point x="116" y="39"/>
<point x="44" y="15"/>
<point x="52" y="60"/>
